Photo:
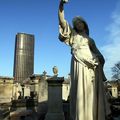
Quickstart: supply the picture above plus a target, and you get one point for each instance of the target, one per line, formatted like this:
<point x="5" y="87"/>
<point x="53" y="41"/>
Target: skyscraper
<point x="24" y="56"/>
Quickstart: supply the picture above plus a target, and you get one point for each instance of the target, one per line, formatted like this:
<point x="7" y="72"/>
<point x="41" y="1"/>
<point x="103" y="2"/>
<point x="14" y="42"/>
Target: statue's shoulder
<point x="91" y="40"/>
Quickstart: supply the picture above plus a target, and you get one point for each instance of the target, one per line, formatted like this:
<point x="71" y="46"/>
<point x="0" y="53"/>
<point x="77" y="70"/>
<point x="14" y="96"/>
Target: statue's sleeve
<point x="65" y="34"/>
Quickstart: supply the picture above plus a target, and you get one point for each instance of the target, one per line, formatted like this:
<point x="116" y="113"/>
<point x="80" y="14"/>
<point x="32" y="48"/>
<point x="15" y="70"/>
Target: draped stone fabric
<point x="87" y="91"/>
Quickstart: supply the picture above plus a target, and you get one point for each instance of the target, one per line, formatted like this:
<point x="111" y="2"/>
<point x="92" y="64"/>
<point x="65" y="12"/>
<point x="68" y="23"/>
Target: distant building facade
<point x="24" y="57"/>
<point x="114" y="88"/>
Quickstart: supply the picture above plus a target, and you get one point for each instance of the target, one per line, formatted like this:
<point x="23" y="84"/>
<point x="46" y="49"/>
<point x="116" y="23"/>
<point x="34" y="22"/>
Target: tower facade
<point x="24" y="56"/>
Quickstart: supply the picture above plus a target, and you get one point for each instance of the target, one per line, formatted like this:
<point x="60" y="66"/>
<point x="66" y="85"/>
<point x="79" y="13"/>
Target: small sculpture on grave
<point x="55" y="71"/>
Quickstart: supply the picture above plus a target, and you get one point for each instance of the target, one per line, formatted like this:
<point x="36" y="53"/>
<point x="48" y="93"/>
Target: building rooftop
<point x="6" y="77"/>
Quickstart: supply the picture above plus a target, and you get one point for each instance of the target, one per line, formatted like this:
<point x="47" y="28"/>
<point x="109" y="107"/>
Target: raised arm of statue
<point x="64" y="28"/>
<point x="61" y="17"/>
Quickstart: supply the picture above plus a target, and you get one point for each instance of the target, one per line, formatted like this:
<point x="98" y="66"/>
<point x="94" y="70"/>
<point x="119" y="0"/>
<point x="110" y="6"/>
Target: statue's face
<point x="80" y="27"/>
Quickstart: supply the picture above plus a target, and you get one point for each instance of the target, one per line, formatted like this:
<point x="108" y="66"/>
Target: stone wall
<point x="40" y="86"/>
<point x="6" y="89"/>
<point x="36" y="84"/>
<point x="65" y="90"/>
<point x="43" y="91"/>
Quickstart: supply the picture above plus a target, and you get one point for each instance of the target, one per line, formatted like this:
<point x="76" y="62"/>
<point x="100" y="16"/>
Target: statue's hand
<point x="64" y="1"/>
<point x="93" y="63"/>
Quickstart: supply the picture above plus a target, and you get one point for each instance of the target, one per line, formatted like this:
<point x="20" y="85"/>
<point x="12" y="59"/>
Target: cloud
<point x="111" y="51"/>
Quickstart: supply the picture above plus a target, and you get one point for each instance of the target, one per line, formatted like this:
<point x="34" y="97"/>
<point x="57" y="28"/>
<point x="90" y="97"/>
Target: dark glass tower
<point x="24" y="56"/>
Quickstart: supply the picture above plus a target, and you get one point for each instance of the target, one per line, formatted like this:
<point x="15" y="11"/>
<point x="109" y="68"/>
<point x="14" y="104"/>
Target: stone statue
<point x="87" y="89"/>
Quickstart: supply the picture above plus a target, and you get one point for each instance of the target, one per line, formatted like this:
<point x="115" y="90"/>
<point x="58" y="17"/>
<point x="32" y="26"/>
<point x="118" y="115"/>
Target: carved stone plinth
<point x="55" y="106"/>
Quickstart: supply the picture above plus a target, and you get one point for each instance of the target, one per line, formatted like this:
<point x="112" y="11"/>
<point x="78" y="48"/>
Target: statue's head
<point x="80" y="24"/>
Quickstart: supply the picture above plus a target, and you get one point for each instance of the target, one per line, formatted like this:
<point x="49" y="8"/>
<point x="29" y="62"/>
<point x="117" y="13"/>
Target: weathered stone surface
<point x="55" y="106"/>
<point x="6" y="86"/>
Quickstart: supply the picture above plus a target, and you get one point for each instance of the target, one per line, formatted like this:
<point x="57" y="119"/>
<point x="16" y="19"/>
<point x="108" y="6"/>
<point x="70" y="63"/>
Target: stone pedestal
<point x="55" y="106"/>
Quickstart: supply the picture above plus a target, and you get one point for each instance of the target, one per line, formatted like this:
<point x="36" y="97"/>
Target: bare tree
<point x="116" y="71"/>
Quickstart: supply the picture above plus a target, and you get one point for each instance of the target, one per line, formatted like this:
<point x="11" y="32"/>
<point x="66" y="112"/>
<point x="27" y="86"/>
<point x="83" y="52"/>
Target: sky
<point x="40" y="17"/>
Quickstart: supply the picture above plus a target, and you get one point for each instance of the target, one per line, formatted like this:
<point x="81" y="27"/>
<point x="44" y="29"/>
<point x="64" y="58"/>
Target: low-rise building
<point x="114" y="88"/>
